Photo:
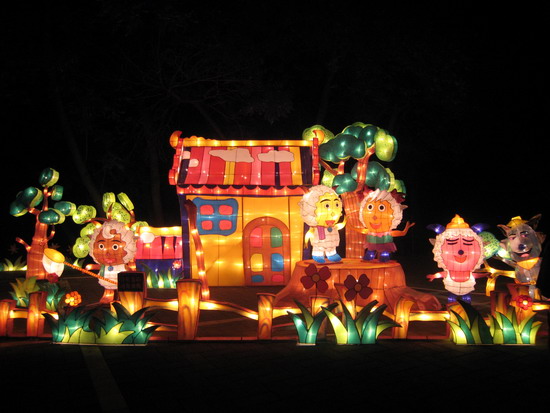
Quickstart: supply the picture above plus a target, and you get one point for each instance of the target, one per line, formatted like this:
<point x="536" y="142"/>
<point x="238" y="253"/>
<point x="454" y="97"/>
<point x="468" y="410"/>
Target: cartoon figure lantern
<point x="112" y="246"/>
<point x="458" y="249"/>
<point x="380" y="213"/>
<point x="321" y="209"/>
<point x="522" y="248"/>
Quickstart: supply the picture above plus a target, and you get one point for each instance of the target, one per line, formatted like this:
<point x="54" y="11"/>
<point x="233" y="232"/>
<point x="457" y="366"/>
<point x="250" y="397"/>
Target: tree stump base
<point x="387" y="281"/>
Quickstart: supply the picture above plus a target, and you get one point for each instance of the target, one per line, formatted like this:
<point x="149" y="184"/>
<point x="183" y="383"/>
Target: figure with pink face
<point x="458" y="250"/>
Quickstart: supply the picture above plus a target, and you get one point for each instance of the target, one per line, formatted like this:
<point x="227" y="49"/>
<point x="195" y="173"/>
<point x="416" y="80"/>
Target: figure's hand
<point x="308" y="237"/>
<point x="404" y="231"/>
<point x="342" y="224"/>
<point x="481" y="274"/>
<point x="432" y="277"/>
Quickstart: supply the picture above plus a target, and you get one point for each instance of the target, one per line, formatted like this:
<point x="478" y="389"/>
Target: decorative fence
<point x="189" y="304"/>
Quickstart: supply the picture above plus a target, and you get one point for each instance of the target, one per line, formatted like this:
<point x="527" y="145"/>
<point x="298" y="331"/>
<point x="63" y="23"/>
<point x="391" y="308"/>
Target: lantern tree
<point x="345" y="158"/>
<point x="38" y="202"/>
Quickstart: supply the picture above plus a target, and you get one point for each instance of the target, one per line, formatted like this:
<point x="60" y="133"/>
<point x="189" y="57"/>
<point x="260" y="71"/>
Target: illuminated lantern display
<point x="53" y="262"/>
<point x="38" y="202"/>
<point x="380" y="213"/>
<point x="112" y="246"/>
<point x="240" y="219"/>
<point x="522" y="249"/>
<point x="321" y="209"/>
<point x="159" y="251"/>
<point x="458" y="250"/>
<point x="354" y="172"/>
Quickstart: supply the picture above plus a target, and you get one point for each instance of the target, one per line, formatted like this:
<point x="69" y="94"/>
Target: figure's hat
<point x="514" y="222"/>
<point x="457" y="222"/>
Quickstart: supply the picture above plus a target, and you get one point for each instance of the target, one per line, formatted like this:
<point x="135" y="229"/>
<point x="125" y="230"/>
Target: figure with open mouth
<point x="112" y="246"/>
<point x="380" y="213"/>
<point x="458" y="250"/>
<point x="321" y="209"/>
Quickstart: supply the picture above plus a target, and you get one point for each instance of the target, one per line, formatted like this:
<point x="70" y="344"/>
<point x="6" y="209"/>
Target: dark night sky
<point x="462" y="90"/>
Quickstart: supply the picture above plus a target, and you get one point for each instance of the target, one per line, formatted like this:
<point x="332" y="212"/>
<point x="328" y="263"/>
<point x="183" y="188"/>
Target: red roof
<point x="204" y="166"/>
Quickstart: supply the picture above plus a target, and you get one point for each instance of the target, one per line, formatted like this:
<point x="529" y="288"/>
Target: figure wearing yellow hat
<point x="458" y="250"/>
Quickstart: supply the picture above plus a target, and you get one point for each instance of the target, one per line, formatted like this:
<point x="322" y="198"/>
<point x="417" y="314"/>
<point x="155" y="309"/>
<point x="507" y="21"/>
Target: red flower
<point x="524" y="302"/>
<point x="52" y="277"/>
<point x="354" y="287"/>
<point x="316" y="278"/>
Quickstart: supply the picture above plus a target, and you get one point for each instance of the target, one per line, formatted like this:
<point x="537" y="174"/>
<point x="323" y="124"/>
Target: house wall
<point x="223" y="254"/>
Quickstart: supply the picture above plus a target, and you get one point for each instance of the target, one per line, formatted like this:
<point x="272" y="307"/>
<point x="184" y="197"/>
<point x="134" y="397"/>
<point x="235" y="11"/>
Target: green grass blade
<point x="363" y="314"/>
<point x="339" y="329"/>
<point x="308" y="318"/>
<point x="300" y="325"/>
<point x="464" y="328"/>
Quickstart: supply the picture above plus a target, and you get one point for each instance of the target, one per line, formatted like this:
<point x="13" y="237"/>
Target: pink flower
<point x="354" y="287"/>
<point x="316" y="278"/>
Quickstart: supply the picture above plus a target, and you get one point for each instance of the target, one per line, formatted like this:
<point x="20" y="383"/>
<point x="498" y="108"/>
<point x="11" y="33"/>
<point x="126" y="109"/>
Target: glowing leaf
<point x="48" y="177"/>
<point x="66" y="208"/>
<point x="386" y="146"/>
<point x="51" y="217"/>
<point x="108" y="200"/>
<point x="84" y="213"/>
<point x="125" y="201"/>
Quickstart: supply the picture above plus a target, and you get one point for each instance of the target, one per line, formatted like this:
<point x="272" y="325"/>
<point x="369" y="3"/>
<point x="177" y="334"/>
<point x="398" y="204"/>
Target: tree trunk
<point x="355" y="241"/>
<point x="35" y="268"/>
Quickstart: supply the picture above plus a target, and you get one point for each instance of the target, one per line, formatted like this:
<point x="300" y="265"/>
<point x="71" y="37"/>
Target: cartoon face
<point x="328" y="210"/>
<point x="109" y="251"/>
<point x="378" y="216"/>
<point x="523" y="243"/>
<point x="461" y="253"/>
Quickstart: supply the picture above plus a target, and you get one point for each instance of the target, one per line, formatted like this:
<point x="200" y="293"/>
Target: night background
<point x="95" y="92"/>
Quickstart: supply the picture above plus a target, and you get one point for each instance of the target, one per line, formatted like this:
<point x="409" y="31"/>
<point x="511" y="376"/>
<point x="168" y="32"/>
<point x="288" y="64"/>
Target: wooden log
<point x="132" y="290"/>
<point x="189" y="296"/>
<point x="6" y="322"/>
<point x="265" y="315"/>
<point x="35" y="320"/>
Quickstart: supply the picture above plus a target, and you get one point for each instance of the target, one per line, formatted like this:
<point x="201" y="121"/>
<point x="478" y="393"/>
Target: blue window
<point x="257" y="278"/>
<point x="217" y="217"/>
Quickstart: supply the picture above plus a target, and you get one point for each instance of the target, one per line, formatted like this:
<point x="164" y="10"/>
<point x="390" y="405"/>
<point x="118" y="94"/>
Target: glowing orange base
<point x="387" y="281"/>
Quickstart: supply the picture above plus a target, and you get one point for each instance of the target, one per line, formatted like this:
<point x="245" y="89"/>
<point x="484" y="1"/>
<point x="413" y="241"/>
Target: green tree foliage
<point x="357" y="143"/>
<point x="38" y="203"/>
<point x="118" y="207"/>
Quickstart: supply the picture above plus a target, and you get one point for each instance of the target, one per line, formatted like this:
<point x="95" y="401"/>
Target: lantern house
<point x="162" y="253"/>
<point x="244" y="223"/>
